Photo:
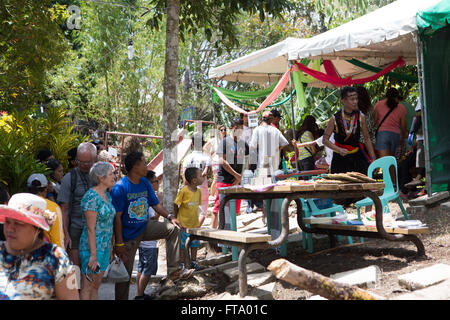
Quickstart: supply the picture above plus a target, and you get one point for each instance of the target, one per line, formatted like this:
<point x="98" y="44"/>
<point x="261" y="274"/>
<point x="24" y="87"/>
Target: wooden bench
<point x="388" y="233"/>
<point x="421" y="230"/>
<point x="245" y="241"/>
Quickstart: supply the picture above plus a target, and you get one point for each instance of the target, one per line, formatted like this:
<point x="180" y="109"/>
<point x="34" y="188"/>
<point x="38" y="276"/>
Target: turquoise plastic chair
<point x="313" y="210"/>
<point x="389" y="194"/>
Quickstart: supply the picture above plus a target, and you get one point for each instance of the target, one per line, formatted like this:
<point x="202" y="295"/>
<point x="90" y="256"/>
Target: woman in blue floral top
<point x="30" y="268"/>
<point x="98" y="217"/>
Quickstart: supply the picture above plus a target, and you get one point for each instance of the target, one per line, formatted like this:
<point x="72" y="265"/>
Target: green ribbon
<point x="398" y="76"/>
<point x="250" y="95"/>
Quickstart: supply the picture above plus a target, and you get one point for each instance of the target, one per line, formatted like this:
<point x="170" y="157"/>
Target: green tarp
<point x="434" y="18"/>
<point x="435" y="31"/>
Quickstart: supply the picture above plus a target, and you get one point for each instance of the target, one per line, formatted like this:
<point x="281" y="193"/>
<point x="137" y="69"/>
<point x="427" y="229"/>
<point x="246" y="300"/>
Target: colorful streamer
<point x="394" y="75"/>
<point x="272" y="96"/>
<point x="339" y="82"/>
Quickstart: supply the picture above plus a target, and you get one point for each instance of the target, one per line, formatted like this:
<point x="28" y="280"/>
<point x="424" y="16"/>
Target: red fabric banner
<point x="339" y="82"/>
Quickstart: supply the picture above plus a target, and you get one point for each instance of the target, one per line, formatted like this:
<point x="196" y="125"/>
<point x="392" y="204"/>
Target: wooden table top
<point x="283" y="188"/>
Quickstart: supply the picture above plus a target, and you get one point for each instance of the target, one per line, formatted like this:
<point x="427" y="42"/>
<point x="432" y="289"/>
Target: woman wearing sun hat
<point x="30" y="268"/>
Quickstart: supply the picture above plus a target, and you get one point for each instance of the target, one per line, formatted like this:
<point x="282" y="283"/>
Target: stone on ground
<point x="367" y="277"/>
<point x="429" y="200"/>
<point x="233" y="273"/>
<point x="253" y="280"/>
<point x="425" y="277"/>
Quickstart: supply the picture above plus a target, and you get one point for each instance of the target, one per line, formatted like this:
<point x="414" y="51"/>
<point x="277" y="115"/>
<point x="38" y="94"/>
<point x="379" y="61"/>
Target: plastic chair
<point x="310" y="209"/>
<point x="389" y="194"/>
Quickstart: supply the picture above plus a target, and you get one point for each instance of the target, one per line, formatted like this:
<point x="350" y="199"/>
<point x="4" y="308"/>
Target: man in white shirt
<point x="268" y="140"/>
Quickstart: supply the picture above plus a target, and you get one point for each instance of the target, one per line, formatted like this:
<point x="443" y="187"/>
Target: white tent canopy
<point x="265" y="65"/>
<point x="377" y="38"/>
<point x="385" y="33"/>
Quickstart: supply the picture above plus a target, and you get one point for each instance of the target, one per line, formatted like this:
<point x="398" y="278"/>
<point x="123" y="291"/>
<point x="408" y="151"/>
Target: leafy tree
<point x="31" y="43"/>
<point x="191" y="16"/>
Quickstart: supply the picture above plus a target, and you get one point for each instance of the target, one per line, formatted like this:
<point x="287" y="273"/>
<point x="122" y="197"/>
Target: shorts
<point x="148" y="261"/>
<point x="102" y="259"/>
<point x="219" y="197"/>
<point x="184" y="236"/>
<point x="387" y="140"/>
<point x="75" y="235"/>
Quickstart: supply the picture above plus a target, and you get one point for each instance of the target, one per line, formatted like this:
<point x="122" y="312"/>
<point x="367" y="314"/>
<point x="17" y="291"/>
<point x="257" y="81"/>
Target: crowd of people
<point x="85" y="217"/>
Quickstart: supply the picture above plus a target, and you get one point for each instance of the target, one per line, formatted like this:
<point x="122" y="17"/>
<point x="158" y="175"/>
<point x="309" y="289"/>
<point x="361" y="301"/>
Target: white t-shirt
<point x="328" y="151"/>
<point x="267" y="139"/>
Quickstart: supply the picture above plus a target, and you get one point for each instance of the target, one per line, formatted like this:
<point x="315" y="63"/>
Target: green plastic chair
<point x="389" y="194"/>
<point x="310" y="209"/>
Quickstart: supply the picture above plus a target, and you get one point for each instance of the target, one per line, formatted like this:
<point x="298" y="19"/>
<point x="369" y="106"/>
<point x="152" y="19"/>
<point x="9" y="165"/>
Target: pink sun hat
<point x="28" y="208"/>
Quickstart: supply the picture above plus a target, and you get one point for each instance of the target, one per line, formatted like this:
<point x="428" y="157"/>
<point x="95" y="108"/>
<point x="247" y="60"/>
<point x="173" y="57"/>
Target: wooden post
<point x="316" y="283"/>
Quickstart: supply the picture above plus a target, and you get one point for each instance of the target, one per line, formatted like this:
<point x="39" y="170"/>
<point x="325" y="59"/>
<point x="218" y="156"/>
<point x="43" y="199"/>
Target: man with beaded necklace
<point x="348" y="124"/>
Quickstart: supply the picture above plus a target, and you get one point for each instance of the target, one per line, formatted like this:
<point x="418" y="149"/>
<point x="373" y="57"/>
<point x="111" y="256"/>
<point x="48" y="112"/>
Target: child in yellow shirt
<point x="186" y="209"/>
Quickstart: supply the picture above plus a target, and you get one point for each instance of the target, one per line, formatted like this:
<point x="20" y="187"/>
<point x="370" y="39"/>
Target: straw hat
<point x="28" y="208"/>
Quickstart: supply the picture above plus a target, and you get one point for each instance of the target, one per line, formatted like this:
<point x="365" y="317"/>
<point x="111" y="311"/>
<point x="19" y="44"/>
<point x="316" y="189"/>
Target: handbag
<point x="116" y="272"/>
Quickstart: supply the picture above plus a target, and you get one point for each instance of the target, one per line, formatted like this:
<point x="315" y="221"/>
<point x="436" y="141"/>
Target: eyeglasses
<point x="154" y="181"/>
<point x="86" y="163"/>
<point x="223" y="130"/>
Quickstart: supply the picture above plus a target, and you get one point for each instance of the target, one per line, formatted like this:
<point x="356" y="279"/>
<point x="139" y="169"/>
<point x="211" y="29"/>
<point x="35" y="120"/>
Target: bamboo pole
<point x="316" y="283"/>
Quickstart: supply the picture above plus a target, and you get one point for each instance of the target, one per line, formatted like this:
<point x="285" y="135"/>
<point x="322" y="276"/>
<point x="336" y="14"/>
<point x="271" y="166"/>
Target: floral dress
<point x="33" y="276"/>
<point x="106" y="212"/>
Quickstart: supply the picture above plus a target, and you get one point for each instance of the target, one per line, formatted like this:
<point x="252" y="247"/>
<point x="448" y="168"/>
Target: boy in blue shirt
<point x="132" y="196"/>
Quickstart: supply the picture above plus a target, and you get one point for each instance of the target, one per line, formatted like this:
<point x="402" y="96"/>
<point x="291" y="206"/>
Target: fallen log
<point x="316" y="283"/>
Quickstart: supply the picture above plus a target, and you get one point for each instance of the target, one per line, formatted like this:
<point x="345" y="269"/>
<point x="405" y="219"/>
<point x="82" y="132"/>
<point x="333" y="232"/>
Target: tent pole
<point x="212" y="103"/>
<point x="293" y="115"/>
<point x="422" y="88"/>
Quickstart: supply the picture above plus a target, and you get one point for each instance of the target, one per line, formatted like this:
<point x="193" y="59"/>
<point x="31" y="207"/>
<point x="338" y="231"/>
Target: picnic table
<point x="334" y="191"/>
<point x="248" y="242"/>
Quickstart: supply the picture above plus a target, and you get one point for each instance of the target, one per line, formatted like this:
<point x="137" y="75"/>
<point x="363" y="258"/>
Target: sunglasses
<point x="97" y="269"/>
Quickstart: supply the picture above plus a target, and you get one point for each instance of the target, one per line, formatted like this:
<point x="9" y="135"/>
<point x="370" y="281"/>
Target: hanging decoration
<point x="339" y="82"/>
<point x="272" y="96"/>
<point x="394" y="75"/>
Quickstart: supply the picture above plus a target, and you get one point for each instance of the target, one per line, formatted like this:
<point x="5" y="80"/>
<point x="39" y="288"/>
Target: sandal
<point x="181" y="274"/>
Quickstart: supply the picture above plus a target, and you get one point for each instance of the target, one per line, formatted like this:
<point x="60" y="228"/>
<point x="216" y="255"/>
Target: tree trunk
<point x="316" y="283"/>
<point x="170" y="112"/>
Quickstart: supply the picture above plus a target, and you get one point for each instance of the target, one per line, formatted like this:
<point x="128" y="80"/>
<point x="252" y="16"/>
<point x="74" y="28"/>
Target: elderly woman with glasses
<point x="98" y="217"/>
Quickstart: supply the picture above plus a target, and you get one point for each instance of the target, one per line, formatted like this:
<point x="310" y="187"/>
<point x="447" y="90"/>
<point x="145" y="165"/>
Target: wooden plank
<point x="229" y="235"/>
<point x="422" y="230"/>
<point x="326" y="187"/>
<point x="303" y="187"/>
<point x="308" y="187"/>
<point x="361" y="186"/>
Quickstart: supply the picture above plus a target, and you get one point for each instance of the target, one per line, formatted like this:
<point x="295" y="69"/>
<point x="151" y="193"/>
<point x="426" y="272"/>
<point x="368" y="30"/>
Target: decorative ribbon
<point x="250" y="95"/>
<point x="350" y="149"/>
<point x="339" y="82"/>
<point x="272" y="96"/>
<point x="394" y="75"/>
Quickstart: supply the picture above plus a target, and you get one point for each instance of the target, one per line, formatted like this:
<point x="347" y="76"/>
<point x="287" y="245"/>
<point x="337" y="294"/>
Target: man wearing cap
<point x="276" y="118"/>
<point x="37" y="184"/>
<point x="268" y="140"/>
<point x="73" y="187"/>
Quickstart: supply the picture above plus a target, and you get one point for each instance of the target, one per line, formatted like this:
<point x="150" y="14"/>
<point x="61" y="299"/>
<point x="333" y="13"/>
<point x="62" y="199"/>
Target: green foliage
<point x="31" y="42"/>
<point x="23" y="134"/>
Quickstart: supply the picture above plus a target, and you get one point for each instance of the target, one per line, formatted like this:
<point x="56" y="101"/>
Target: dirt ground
<point x="393" y="258"/>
